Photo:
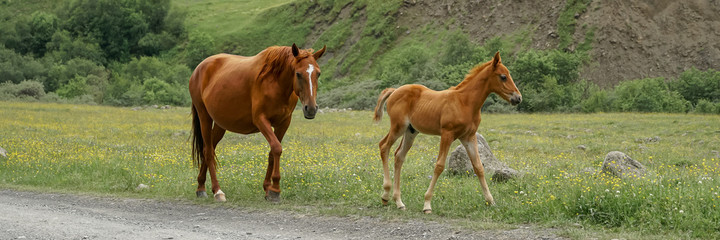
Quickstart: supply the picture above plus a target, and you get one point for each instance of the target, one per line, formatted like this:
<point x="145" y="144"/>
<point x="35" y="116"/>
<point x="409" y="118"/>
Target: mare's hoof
<point x="427" y="211"/>
<point x="272" y="196"/>
<point x="220" y="196"/>
<point x="402" y="208"/>
<point x="384" y="202"/>
<point x="201" y="194"/>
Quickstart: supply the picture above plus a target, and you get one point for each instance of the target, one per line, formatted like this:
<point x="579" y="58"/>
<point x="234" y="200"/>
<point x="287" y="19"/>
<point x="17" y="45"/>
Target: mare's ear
<point x="295" y="50"/>
<point x="319" y="53"/>
<point x="496" y="59"/>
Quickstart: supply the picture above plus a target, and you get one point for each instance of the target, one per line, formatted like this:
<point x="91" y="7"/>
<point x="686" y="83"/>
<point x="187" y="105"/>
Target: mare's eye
<point x="503" y="77"/>
<point x="298" y="75"/>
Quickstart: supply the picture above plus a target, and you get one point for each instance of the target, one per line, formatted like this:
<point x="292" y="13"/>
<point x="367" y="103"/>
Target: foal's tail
<point x="196" y="135"/>
<point x="381" y="101"/>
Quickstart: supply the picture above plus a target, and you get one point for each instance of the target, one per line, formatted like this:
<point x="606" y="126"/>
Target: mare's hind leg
<point x="400" y="153"/>
<point x="210" y="163"/>
<point x="471" y="147"/>
<point x="217" y="135"/>
<point x="446" y="138"/>
<point x="385" y="145"/>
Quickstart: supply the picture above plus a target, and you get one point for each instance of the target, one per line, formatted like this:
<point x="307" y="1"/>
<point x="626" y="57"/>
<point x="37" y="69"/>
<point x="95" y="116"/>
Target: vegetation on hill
<point x="123" y="52"/>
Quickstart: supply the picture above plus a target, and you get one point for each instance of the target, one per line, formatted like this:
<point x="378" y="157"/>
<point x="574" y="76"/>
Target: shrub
<point x="25" y="90"/>
<point x="647" y="95"/>
<point x="705" y="106"/>
<point x="695" y="85"/>
<point x="15" y="67"/>
<point x="404" y="65"/>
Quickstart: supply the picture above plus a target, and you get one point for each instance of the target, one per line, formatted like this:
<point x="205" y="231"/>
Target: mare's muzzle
<point x="310" y="111"/>
<point x="515" y="99"/>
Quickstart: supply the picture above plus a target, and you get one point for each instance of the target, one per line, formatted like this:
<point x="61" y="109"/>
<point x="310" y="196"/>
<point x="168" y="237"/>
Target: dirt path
<point x="29" y="215"/>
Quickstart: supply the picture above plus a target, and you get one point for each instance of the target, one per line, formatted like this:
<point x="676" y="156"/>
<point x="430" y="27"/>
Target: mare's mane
<point x="277" y="59"/>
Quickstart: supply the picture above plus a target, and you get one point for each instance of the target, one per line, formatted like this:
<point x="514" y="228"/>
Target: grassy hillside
<point x="557" y="54"/>
<point x="222" y="18"/>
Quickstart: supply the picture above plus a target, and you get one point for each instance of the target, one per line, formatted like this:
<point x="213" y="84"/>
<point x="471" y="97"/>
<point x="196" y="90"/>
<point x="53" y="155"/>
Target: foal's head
<point x="307" y="73"/>
<point x="502" y="83"/>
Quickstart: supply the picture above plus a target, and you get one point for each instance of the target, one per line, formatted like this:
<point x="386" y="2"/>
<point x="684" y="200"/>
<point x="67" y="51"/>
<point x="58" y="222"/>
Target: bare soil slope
<point x="633" y="39"/>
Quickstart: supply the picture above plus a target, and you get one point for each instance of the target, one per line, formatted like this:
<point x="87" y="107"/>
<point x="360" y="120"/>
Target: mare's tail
<point x="381" y="102"/>
<point x="196" y="135"/>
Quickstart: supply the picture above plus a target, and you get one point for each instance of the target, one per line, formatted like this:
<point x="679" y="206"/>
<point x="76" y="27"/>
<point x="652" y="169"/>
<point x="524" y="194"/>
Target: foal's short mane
<point x="473" y="72"/>
<point x="279" y="58"/>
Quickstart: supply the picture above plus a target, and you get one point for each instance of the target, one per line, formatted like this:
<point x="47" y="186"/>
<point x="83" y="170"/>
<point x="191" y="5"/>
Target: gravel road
<point x="31" y="215"/>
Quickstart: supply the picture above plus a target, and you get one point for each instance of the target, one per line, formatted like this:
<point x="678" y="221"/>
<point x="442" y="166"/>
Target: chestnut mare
<point x="248" y="95"/>
<point x="452" y="114"/>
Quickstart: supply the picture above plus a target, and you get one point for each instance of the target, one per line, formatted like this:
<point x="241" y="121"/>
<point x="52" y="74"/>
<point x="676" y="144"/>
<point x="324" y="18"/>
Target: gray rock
<point x="142" y="187"/>
<point x="621" y="165"/>
<point x="3" y="152"/>
<point x="459" y="163"/>
<point x="505" y="174"/>
<point x="582" y="147"/>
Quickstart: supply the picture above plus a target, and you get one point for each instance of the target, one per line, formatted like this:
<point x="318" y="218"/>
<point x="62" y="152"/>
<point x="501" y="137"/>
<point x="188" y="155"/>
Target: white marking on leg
<point x="310" y="70"/>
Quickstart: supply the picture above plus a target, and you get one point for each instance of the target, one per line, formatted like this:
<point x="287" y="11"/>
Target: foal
<point x="452" y="114"/>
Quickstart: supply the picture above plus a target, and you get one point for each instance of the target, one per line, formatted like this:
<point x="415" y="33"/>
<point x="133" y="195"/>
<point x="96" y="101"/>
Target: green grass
<point x="331" y="166"/>
<point x="222" y="18"/>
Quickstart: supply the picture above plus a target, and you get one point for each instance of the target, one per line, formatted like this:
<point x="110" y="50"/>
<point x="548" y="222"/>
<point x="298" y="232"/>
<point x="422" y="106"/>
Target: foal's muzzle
<point x="515" y="99"/>
<point x="310" y="111"/>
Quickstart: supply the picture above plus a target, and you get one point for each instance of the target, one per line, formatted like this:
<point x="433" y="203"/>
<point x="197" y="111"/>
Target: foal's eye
<point x="298" y="75"/>
<point x="503" y="77"/>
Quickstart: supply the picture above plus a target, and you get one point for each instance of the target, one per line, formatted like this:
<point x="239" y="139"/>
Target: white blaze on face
<point x="310" y="70"/>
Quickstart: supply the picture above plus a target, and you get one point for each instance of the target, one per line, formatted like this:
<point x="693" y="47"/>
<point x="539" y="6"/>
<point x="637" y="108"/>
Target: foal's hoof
<point x="402" y="208"/>
<point x="201" y="194"/>
<point x="427" y="211"/>
<point x="272" y="196"/>
<point x="384" y="202"/>
<point x="220" y="196"/>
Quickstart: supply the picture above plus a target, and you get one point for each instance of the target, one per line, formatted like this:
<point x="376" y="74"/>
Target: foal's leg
<point x="400" y="154"/>
<point x="471" y="147"/>
<point x="385" y="145"/>
<point x="217" y="135"/>
<point x="445" y="140"/>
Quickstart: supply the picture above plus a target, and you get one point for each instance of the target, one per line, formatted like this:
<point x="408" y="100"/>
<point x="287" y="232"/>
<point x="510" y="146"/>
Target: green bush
<point x="63" y="73"/>
<point x="647" y="95"/>
<point x="15" y="67"/>
<point x="25" y="90"/>
<point x="695" y="85"/>
<point x="149" y="80"/>
<point x="404" y="65"/>
<point x="705" y="106"/>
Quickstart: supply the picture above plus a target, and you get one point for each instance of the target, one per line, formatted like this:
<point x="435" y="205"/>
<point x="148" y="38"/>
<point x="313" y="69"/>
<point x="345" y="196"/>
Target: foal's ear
<point x="319" y="53"/>
<point x="496" y="59"/>
<point x="295" y="50"/>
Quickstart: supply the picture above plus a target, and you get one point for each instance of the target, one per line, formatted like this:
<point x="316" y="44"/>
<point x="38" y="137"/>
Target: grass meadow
<point x="330" y="166"/>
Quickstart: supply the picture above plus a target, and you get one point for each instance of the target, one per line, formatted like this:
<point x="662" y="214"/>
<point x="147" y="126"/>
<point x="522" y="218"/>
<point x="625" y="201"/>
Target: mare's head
<point x="502" y="83"/>
<point x="307" y="73"/>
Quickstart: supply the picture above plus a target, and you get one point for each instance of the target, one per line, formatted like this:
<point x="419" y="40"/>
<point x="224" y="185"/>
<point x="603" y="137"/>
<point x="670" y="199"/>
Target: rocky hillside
<point x="632" y="38"/>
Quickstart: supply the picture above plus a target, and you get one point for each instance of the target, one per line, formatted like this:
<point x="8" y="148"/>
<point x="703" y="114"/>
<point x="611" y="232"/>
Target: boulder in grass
<point x="3" y="152"/>
<point x="459" y="163"/>
<point x="621" y="165"/>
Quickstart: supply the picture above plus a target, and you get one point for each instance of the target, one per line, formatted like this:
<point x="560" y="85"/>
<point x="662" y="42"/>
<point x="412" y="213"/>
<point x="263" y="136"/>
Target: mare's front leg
<point x="471" y="147"/>
<point x="446" y="138"/>
<point x="271" y="185"/>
